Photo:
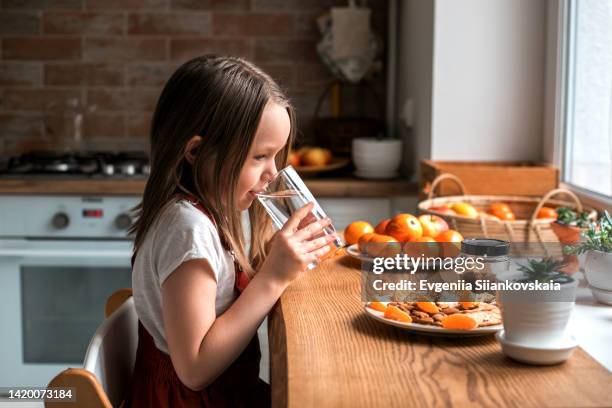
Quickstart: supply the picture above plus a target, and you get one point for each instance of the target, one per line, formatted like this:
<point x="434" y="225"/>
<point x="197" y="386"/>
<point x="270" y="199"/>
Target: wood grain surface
<point x="328" y="187"/>
<point x="326" y="352"/>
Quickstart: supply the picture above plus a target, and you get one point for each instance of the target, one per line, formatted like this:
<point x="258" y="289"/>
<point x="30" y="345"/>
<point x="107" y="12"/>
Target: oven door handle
<point x="46" y="253"/>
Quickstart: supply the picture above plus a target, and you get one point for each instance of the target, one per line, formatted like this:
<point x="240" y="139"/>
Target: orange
<point x="449" y="236"/>
<point x="424" y="239"/>
<point x="395" y="313"/>
<point x="383" y="245"/>
<point x="422" y="247"/>
<point x="380" y="228"/>
<point x="547" y="212"/>
<point x="404" y="228"/>
<point x="501" y="207"/>
<point x="355" y="230"/>
<point x="502" y="215"/>
<point x="364" y="239"/>
<point x="451" y="243"/>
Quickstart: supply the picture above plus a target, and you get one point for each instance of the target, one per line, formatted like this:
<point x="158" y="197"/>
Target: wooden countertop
<point x="323" y="187"/>
<point x="325" y="352"/>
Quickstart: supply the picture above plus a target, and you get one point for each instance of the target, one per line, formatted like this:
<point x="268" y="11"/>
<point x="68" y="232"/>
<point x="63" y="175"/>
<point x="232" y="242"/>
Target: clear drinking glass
<point x="287" y="193"/>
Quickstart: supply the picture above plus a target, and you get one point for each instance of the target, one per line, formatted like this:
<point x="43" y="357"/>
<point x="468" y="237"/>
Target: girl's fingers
<point x="312" y="229"/>
<point x="294" y="221"/>
<point x="315" y="256"/>
<point x="317" y="243"/>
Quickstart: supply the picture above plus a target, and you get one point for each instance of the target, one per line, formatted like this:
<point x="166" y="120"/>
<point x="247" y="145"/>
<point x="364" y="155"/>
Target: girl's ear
<point x="191" y="147"/>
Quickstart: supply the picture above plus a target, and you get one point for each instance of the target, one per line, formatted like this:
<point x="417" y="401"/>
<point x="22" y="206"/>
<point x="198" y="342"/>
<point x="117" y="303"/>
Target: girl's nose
<point x="272" y="172"/>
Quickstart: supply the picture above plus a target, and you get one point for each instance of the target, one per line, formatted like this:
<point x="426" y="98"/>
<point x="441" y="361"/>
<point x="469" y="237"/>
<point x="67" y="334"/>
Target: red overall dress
<point x="156" y="384"/>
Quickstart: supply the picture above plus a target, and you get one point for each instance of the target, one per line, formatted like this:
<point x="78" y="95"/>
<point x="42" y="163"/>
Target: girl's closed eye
<point x="260" y="157"/>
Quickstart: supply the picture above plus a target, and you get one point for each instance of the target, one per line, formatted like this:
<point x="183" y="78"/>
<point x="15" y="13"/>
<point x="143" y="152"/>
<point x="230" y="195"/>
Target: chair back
<point x="111" y="354"/>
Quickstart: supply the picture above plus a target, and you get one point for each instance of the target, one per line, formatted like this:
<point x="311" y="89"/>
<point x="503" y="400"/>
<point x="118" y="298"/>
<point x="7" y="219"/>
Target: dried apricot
<point x="377" y="306"/>
<point x="395" y="313"/>
<point x="468" y="305"/>
<point x="429" y="307"/>
<point x="459" y="322"/>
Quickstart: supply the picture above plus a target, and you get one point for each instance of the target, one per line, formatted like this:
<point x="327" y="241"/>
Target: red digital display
<point x="93" y="213"/>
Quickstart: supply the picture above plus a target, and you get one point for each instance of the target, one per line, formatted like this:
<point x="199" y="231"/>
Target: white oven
<point x="60" y="258"/>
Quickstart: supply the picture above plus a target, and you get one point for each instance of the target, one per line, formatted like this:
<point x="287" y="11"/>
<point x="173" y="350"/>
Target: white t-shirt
<point x="181" y="233"/>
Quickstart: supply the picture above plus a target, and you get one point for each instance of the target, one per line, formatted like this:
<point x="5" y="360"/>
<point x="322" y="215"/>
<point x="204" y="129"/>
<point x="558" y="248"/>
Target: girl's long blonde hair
<point x="222" y="100"/>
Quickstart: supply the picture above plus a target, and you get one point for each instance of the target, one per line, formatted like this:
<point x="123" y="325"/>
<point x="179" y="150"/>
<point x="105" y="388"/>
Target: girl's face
<point x="260" y="167"/>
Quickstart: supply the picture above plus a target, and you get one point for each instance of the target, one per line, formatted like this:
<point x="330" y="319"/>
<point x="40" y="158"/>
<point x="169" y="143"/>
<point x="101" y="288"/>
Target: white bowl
<point x="603" y="296"/>
<point x="548" y="355"/>
<point x="598" y="269"/>
<point x="376" y="158"/>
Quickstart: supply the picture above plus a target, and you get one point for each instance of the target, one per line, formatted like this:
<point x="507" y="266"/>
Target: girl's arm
<point x="202" y="345"/>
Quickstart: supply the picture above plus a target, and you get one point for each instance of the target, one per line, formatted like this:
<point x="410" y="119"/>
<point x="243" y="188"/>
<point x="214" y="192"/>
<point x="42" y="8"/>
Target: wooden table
<point x="325" y="352"/>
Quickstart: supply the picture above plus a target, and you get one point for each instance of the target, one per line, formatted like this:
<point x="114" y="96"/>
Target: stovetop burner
<point x="84" y="164"/>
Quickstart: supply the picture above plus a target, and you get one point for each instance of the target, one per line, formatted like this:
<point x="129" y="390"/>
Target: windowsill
<point x="590" y="199"/>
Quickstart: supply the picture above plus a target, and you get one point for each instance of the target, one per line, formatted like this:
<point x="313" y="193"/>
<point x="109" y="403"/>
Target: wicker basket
<point x="527" y="227"/>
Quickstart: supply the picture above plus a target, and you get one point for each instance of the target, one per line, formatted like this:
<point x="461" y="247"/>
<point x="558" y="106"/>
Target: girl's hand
<point x="296" y="245"/>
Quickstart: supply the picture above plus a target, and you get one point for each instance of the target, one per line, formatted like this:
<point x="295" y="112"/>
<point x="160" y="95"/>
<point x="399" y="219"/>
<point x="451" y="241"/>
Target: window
<point x="587" y="161"/>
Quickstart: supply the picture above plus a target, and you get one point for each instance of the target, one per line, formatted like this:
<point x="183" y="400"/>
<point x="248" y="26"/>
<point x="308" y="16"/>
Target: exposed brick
<point x="12" y="22"/>
<point x="182" y="49"/>
<point x="252" y="24"/>
<point x="42" y="4"/>
<point x="17" y="73"/>
<point x="12" y="126"/>
<point x="38" y="99"/>
<point x="275" y="50"/>
<point x="283" y="74"/>
<point x="136" y="100"/>
<point x="309" y="75"/>
<point x="124" y="49"/>
<point x="169" y="23"/>
<point x="45" y="48"/>
<point x="104" y="126"/>
<point x="139" y="125"/>
<point x="306" y="24"/>
<point x="89" y="23"/>
<point x="296" y="5"/>
<point x="210" y="4"/>
<point x="150" y="74"/>
<point x="305" y="103"/>
<point x="126" y="4"/>
<point x="83" y="74"/>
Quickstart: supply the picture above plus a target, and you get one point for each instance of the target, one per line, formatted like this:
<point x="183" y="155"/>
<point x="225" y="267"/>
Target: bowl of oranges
<point x="399" y="234"/>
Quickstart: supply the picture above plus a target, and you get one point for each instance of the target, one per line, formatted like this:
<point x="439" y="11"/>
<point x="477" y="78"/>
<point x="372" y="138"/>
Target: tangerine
<point x="355" y="230"/>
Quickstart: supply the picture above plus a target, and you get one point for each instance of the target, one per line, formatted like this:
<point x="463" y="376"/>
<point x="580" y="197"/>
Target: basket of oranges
<point x="511" y="218"/>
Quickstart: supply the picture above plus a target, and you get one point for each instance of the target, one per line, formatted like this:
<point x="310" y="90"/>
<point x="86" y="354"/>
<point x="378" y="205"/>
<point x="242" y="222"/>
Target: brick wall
<point x="117" y="54"/>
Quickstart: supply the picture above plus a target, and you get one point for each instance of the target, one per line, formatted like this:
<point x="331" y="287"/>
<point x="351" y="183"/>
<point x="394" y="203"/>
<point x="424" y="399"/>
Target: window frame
<point x="561" y="14"/>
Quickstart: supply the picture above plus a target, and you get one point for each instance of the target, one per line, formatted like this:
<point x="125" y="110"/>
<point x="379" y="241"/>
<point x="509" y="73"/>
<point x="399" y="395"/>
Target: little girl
<point x="220" y="131"/>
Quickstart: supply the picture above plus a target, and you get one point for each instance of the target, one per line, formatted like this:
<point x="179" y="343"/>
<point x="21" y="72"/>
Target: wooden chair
<point x="109" y="361"/>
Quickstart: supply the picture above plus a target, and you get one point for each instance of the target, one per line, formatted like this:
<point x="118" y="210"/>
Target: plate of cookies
<point x="455" y="319"/>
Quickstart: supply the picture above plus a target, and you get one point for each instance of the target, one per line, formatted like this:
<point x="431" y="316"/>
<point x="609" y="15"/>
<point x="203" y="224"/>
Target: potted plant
<point x="568" y="228"/>
<point x="538" y="318"/>
<point x="597" y="245"/>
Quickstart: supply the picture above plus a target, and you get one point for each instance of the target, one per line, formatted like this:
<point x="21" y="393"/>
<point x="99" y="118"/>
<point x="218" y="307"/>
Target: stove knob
<point x="60" y="220"/>
<point x="123" y="221"/>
